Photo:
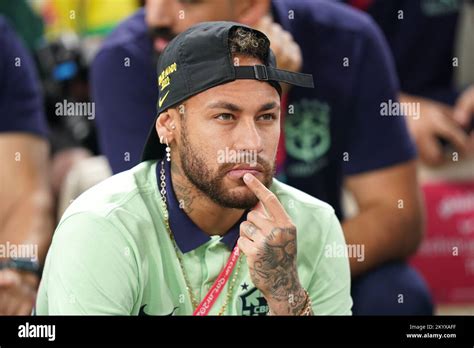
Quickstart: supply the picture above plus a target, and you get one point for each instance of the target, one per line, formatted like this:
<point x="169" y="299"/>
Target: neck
<point x="210" y="217"/>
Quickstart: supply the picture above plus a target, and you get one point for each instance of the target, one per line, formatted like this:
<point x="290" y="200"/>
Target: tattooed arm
<point x="276" y="269"/>
<point x="268" y="239"/>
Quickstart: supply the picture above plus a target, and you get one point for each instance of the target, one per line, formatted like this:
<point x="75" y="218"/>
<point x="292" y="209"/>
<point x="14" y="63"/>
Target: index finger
<point x="268" y="199"/>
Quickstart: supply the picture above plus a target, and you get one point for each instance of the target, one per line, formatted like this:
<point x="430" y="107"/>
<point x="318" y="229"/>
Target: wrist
<point x="22" y="265"/>
<point x="294" y="303"/>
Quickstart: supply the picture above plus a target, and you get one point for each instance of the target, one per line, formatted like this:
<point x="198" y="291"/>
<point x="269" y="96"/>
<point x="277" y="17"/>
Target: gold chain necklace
<point x="194" y="302"/>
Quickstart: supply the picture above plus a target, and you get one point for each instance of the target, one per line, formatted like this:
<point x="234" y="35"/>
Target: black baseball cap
<point x="199" y="59"/>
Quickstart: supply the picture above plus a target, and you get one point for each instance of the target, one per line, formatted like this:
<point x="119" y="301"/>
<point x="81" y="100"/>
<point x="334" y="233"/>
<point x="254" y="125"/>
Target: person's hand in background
<point x="464" y="114"/>
<point x="436" y="120"/>
<point x="62" y="163"/>
<point x="17" y="292"/>
<point x="287" y="51"/>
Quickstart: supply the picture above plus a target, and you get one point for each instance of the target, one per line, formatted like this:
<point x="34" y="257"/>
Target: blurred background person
<point x="26" y="219"/>
<point x="431" y="41"/>
<point x="74" y="30"/>
<point x="423" y="37"/>
<point x="39" y="147"/>
<point x="63" y="36"/>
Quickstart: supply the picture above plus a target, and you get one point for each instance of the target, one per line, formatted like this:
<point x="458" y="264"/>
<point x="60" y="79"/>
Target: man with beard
<point x="333" y="136"/>
<point x="155" y="239"/>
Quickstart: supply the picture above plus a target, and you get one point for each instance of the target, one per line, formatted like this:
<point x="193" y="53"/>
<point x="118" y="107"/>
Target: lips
<point x="160" y="44"/>
<point x="239" y="171"/>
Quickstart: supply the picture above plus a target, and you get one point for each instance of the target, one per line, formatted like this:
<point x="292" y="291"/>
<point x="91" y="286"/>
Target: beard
<point x="159" y="32"/>
<point x="212" y="184"/>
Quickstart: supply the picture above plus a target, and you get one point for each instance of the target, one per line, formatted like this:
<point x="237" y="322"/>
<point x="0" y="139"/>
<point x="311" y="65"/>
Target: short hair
<point x="248" y="42"/>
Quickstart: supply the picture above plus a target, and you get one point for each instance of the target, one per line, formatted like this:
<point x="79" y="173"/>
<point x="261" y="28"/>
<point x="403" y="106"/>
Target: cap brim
<point x="155" y="150"/>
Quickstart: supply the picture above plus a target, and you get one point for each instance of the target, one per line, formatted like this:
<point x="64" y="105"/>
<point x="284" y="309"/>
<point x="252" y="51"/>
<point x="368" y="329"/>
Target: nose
<point x="159" y="13"/>
<point x="247" y="137"/>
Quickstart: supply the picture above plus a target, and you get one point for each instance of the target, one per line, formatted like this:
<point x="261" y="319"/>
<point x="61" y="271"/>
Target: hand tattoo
<point x="276" y="269"/>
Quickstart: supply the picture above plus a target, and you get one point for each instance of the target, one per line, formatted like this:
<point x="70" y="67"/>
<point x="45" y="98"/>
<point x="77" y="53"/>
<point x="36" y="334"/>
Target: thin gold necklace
<point x="194" y="302"/>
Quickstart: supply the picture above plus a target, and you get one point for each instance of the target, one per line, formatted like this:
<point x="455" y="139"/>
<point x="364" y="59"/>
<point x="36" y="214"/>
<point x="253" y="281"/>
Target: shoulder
<point x="290" y="196"/>
<point x="323" y="14"/>
<point x="5" y="27"/>
<point x="129" y="30"/>
<point x="114" y="192"/>
<point x="318" y="230"/>
<point x="129" y="37"/>
<point x="313" y="218"/>
<point x="121" y="209"/>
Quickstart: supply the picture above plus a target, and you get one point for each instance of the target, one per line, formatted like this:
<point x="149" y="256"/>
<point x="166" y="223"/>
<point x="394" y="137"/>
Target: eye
<point x="225" y="117"/>
<point x="267" y="117"/>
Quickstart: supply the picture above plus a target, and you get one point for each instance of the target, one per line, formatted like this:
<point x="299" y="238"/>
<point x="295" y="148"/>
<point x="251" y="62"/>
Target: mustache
<point x="266" y="167"/>
<point x="161" y="32"/>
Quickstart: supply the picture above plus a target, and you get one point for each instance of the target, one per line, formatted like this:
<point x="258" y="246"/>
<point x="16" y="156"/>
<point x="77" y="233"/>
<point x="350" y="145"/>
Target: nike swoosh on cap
<point x="162" y="100"/>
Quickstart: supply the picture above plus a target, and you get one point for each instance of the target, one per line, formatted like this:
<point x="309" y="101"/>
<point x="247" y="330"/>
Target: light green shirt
<point x="111" y="254"/>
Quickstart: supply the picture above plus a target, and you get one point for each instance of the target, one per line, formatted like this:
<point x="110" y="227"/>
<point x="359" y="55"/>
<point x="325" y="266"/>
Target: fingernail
<point x="248" y="177"/>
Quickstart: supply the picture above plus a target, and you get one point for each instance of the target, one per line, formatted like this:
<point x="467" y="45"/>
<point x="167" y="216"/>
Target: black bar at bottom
<point x="430" y="331"/>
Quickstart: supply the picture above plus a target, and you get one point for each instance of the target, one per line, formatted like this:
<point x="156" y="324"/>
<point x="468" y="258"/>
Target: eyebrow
<point x="235" y="108"/>
<point x="268" y="106"/>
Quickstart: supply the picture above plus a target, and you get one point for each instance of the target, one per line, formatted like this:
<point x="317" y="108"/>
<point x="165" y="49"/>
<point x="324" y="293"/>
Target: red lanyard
<point x="361" y="4"/>
<point x="211" y="297"/>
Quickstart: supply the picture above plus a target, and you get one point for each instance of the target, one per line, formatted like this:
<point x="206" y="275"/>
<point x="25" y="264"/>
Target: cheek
<point x="272" y="139"/>
<point x="205" y="144"/>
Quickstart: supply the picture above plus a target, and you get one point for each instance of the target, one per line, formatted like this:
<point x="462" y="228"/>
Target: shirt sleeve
<point x="90" y="270"/>
<point x="21" y="104"/>
<point x="125" y="105"/>
<point x="376" y="141"/>
<point x="330" y="286"/>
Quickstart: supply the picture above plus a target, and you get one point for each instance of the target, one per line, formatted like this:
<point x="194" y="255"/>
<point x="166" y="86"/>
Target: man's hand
<point x="17" y="292"/>
<point x="436" y="121"/>
<point x="268" y="239"/>
<point x="63" y="162"/>
<point x="286" y="50"/>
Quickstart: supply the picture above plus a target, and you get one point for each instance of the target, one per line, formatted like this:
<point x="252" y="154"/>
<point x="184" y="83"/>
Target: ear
<point x="165" y="127"/>
<point x="250" y="12"/>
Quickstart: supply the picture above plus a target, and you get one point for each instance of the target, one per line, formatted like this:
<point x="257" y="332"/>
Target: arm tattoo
<point x="277" y="268"/>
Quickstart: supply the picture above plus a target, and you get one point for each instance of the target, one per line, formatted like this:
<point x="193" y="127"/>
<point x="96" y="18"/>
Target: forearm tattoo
<point x="276" y="269"/>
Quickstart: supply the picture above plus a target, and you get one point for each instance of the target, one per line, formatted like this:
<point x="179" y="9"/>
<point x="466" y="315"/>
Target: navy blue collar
<point x="187" y="234"/>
